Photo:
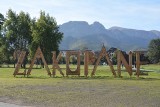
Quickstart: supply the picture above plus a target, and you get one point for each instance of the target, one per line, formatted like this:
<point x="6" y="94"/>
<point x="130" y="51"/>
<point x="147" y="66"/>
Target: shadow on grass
<point x="148" y="79"/>
<point x="113" y="78"/>
<point x="34" y="77"/>
<point x="92" y="78"/>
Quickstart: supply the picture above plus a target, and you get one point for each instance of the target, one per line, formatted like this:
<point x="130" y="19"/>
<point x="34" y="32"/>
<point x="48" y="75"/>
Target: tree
<point x="45" y="33"/>
<point x="154" y="50"/>
<point x="1" y="20"/>
<point x="3" y="48"/>
<point x="24" y="31"/>
<point x="1" y="24"/>
<point x="11" y="30"/>
<point x="18" y="30"/>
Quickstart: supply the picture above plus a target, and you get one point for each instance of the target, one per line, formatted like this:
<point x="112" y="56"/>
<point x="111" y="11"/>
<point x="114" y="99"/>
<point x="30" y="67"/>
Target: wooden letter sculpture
<point x="120" y="58"/>
<point x="20" y="61"/>
<point x="130" y="59"/>
<point x="89" y="57"/>
<point x="139" y="63"/>
<point x="16" y="54"/>
<point x="86" y="60"/>
<point x="55" y="63"/>
<point x="68" y="70"/>
<point x="38" y="54"/>
<point x="103" y="53"/>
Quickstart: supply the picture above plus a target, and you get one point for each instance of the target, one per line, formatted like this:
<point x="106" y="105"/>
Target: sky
<point x="133" y="14"/>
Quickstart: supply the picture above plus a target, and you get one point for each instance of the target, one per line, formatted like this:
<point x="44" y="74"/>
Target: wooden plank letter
<point x="20" y="61"/>
<point x="138" y="63"/>
<point x="68" y="70"/>
<point x="103" y="53"/>
<point x="120" y="58"/>
<point x="55" y="63"/>
<point x="38" y="54"/>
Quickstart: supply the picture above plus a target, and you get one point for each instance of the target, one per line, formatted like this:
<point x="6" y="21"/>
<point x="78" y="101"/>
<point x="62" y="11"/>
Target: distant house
<point x="65" y="51"/>
<point x="143" y="56"/>
<point x="111" y="52"/>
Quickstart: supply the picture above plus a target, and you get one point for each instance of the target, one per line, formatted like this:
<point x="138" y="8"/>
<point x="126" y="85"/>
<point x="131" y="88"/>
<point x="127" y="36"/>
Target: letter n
<point x="120" y="57"/>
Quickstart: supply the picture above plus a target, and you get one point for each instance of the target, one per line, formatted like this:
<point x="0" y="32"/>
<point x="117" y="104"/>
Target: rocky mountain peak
<point x="79" y="34"/>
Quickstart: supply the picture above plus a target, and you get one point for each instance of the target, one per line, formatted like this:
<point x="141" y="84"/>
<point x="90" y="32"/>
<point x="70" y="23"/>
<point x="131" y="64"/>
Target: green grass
<point x="102" y="90"/>
<point x="155" y="67"/>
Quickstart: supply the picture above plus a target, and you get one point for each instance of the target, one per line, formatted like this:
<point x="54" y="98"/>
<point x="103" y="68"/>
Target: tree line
<point x="21" y="32"/>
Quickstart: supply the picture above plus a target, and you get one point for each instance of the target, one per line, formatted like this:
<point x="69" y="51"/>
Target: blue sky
<point x="135" y="14"/>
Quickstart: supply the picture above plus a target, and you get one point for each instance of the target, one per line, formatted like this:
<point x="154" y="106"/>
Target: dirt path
<point x="2" y="104"/>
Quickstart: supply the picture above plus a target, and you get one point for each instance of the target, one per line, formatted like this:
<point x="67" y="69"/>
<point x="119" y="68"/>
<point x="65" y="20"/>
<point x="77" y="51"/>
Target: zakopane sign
<point x="88" y="58"/>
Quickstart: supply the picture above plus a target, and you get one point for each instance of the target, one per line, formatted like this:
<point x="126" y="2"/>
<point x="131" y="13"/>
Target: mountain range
<point x="81" y="35"/>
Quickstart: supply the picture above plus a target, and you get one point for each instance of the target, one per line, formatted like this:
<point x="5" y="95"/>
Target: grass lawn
<point x="103" y="90"/>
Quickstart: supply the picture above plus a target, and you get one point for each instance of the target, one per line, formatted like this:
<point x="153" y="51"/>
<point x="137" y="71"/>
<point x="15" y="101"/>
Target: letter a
<point x="38" y="54"/>
<point x="103" y="53"/>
